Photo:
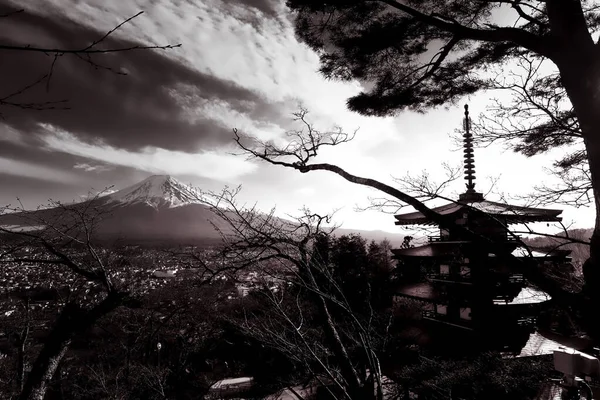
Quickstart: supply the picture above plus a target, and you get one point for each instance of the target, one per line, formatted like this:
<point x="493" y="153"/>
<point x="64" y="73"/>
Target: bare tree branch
<point x="84" y="53"/>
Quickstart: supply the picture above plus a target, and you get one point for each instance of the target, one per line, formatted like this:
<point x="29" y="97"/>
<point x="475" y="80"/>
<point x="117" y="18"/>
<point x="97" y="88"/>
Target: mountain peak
<point x="158" y="191"/>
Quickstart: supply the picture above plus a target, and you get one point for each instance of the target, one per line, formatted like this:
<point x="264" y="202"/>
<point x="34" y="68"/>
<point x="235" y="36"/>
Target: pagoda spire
<point x="468" y="150"/>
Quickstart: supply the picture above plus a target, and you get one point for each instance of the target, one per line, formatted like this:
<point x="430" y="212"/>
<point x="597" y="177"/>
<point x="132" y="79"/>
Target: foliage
<point x="486" y="376"/>
<point x="417" y="55"/>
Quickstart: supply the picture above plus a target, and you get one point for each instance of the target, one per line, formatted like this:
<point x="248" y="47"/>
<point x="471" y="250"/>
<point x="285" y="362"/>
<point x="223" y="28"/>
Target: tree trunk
<point x="581" y="78"/>
<point x="335" y="341"/>
<point x="54" y="349"/>
<point x="22" y="347"/>
<point x="71" y="321"/>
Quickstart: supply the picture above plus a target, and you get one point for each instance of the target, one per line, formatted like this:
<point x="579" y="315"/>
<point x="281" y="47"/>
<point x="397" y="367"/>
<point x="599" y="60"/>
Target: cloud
<point x="130" y="112"/>
<point x="93" y="167"/>
<point x="305" y="191"/>
<point x="207" y="164"/>
<point x="240" y="65"/>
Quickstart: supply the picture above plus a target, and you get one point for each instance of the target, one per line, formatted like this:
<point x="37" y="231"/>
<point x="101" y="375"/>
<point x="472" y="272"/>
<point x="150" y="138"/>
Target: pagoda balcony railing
<point x="516" y="278"/>
<point x="526" y="321"/>
<point x="453" y="278"/>
<point x="438" y="238"/>
<point x="437" y="317"/>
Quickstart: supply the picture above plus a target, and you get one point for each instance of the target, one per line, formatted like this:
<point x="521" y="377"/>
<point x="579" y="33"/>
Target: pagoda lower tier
<point x="476" y="293"/>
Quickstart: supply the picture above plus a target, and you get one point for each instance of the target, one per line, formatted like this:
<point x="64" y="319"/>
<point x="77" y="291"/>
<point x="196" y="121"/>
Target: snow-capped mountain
<point x="158" y="191"/>
<point x="159" y="209"/>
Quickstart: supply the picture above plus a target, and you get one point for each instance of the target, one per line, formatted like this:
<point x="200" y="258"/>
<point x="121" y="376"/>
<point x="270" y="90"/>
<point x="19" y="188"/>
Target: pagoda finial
<point x="468" y="150"/>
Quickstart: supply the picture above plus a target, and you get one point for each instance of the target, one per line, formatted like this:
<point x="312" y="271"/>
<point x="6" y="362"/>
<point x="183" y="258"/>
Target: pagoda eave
<point x="425" y="223"/>
<point x="510" y="219"/>
<point x="509" y="213"/>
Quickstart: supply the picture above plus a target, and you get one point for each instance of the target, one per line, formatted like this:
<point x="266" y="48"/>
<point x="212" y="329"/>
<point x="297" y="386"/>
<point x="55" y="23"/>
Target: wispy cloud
<point x="93" y="167"/>
<point x="209" y="164"/>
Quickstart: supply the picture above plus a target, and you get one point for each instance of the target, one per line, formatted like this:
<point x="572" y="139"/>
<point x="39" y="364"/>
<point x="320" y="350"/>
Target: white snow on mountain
<point x="158" y="191"/>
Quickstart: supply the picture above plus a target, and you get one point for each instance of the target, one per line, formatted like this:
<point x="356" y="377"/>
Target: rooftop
<point x="510" y="213"/>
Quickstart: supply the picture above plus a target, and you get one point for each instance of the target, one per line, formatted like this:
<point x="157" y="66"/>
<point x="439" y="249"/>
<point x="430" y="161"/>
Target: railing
<point x="438" y="238"/>
<point x="526" y="321"/>
<point x="516" y="278"/>
<point x="504" y="298"/>
<point x="457" y="278"/>
<point x="460" y="323"/>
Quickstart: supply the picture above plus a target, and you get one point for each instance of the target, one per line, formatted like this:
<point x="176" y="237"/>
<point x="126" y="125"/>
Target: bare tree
<point x="284" y="251"/>
<point x="538" y="118"/>
<point x="64" y="241"/>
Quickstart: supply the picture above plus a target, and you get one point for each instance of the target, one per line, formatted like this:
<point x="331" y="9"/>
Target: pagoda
<point x="466" y="291"/>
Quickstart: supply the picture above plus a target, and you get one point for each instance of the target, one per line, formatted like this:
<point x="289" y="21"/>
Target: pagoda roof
<point x="450" y="248"/>
<point x="428" y="292"/>
<point x="527" y="295"/>
<point x="512" y="214"/>
<point x="521" y="252"/>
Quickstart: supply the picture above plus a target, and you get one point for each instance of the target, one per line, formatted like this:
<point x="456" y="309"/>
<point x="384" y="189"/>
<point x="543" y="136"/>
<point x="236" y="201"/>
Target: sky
<point x="172" y="111"/>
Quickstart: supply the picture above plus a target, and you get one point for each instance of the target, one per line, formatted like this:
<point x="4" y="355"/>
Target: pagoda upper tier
<point x="509" y="214"/>
<point x="471" y="201"/>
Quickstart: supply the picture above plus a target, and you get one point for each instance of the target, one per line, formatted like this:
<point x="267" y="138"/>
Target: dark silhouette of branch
<point x="47" y="105"/>
<point x="521" y="37"/>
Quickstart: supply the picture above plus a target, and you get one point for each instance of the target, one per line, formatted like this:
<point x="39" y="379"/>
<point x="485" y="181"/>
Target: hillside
<point x="579" y="252"/>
